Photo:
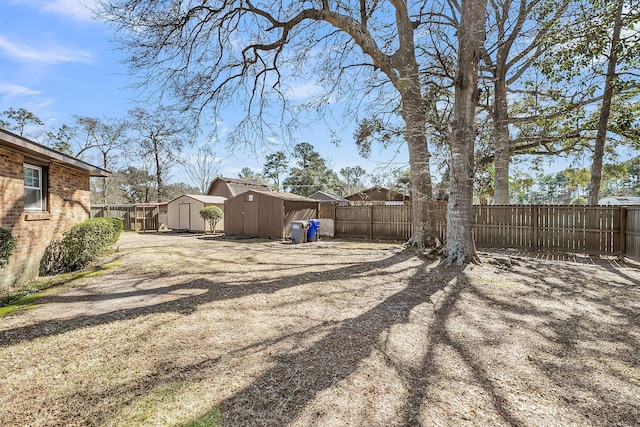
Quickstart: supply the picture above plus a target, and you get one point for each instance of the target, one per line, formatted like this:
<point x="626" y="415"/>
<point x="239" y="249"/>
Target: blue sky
<point x="57" y="62"/>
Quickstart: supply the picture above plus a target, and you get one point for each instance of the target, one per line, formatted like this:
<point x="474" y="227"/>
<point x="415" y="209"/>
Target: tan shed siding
<point x="173" y="213"/>
<point x="67" y="204"/>
<point x="195" y="221"/>
<point x="220" y="188"/>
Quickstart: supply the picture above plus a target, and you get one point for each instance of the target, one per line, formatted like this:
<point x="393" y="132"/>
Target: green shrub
<point x="80" y="245"/>
<point x="7" y="243"/>
<point x="51" y="262"/>
<point x="211" y="214"/>
<point x="118" y="226"/>
<point x="578" y="201"/>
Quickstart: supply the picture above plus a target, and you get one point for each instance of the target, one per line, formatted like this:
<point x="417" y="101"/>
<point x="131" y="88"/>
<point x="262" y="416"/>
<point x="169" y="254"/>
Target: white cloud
<point x="47" y="53"/>
<point x="305" y="90"/>
<point x="16" y="90"/>
<point x="79" y="10"/>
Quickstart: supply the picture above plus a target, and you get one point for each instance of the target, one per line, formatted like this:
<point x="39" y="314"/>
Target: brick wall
<point x="67" y="204"/>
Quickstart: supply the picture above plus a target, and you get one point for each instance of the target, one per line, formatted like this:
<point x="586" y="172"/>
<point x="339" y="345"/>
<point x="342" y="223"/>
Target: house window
<point x="33" y="188"/>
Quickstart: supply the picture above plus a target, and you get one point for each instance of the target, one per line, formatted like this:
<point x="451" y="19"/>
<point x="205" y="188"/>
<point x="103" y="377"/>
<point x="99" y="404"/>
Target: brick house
<point x="42" y="194"/>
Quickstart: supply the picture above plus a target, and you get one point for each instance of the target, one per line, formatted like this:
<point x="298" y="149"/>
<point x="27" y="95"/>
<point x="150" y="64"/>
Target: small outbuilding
<point x="184" y="212"/>
<point x="267" y="214"/>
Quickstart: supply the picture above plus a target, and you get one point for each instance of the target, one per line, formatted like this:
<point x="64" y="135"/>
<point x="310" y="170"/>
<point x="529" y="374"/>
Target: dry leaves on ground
<point x="195" y="330"/>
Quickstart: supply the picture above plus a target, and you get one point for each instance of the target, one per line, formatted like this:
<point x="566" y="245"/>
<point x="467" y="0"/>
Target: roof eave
<point x="40" y="151"/>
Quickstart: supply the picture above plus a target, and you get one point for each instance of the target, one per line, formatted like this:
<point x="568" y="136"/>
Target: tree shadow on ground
<point x="278" y="396"/>
<point x="211" y="291"/>
<point x="588" y="347"/>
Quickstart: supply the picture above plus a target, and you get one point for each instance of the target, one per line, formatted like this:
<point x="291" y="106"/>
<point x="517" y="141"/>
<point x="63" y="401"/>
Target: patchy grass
<point x="28" y="295"/>
<point x="212" y="418"/>
<point x="209" y="331"/>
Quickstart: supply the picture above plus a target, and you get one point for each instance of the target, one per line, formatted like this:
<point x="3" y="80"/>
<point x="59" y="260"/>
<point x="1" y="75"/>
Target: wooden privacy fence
<point x="142" y="217"/>
<point x="610" y="230"/>
<point x="631" y="231"/>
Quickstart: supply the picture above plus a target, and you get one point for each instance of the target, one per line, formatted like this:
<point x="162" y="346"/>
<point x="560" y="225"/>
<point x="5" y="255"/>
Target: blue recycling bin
<point x="314" y="230"/>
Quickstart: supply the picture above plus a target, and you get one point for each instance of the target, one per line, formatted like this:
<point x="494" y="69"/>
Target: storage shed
<point x="266" y="214"/>
<point x="184" y="212"/>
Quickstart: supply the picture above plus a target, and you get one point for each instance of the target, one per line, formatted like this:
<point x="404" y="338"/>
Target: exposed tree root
<point x="460" y="257"/>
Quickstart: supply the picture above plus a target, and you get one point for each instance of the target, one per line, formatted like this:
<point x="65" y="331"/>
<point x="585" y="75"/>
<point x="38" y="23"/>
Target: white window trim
<point x="39" y="169"/>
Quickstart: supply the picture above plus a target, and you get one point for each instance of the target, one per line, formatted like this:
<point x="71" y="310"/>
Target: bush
<point x="211" y="214"/>
<point x="80" y="245"/>
<point x="7" y="243"/>
<point x="578" y="201"/>
<point x="118" y="226"/>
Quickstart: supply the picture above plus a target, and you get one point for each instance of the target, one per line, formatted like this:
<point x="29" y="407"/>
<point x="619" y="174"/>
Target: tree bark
<point x="421" y="198"/>
<point x="471" y="35"/>
<point x="159" y="171"/>
<point x="605" y="110"/>
<point x="502" y="141"/>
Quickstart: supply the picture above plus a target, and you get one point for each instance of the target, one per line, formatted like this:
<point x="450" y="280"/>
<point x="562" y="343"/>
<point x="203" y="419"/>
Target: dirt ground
<point x="192" y="330"/>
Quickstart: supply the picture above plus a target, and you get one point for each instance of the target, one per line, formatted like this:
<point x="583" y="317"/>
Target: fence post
<point x="534" y="228"/>
<point x="370" y="222"/>
<point x="623" y="233"/>
<point x="144" y="218"/>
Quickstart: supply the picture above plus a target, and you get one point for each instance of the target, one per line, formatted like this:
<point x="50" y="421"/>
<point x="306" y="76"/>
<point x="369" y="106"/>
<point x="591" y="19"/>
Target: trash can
<point x="299" y="231"/>
<point x="314" y="230"/>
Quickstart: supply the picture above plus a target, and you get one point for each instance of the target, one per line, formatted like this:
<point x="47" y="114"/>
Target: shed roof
<point x="33" y="149"/>
<point x="286" y="196"/>
<point x="238" y="186"/>
<point x="219" y="200"/>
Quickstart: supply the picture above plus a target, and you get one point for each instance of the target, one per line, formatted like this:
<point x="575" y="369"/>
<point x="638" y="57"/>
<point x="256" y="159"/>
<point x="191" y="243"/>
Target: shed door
<point x="184" y="216"/>
<point x="251" y="215"/>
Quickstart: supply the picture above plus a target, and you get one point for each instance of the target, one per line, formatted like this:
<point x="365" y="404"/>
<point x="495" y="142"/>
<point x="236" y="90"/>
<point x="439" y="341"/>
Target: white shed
<point x="184" y="212"/>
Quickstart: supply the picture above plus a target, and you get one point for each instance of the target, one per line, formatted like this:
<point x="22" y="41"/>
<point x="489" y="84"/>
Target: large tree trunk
<point x="502" y="142"/>
<point x="605" y="110"/>
<point x="471" y="34"/>
<point x="414" y="115"/>
<point x="421" y="192"/>
<point x="159" y="172"/>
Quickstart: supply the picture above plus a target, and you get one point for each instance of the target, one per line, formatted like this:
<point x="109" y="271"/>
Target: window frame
<point x="41" y="188"/>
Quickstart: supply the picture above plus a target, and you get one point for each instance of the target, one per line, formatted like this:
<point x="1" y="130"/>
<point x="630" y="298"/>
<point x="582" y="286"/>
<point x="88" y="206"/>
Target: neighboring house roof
<point x="238" y="186"/>
<point x="376" y="193"/>
<point x="37" y="151"/>
<point x="620" y="200"/>
<point x="327" y="197"/>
